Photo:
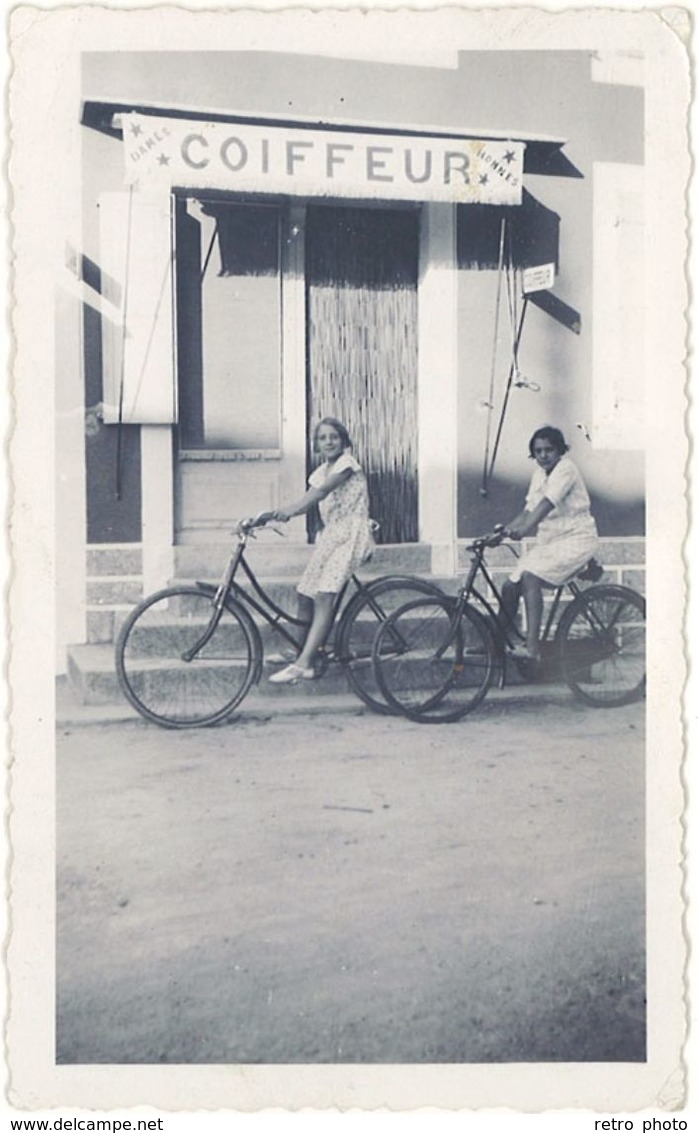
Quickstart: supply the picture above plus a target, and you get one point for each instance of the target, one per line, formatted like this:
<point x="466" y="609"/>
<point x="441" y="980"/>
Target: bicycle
<point x="187" y="655"/>
<point x="436" y="658"/>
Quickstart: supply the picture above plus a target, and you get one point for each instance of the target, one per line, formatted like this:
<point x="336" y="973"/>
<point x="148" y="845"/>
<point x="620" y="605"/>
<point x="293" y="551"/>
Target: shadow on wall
<point x="112" y="455"/>
<point x="505" y="498"/>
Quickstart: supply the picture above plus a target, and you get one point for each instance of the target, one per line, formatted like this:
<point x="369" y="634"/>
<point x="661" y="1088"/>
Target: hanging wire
<point x="495" y="336"/>
<point x="520" y="381"/>
<point x="512" y="308"/>
<point x="122" y="368"/>
<point x="512" y="371"/>
<point x="151" y="332"/>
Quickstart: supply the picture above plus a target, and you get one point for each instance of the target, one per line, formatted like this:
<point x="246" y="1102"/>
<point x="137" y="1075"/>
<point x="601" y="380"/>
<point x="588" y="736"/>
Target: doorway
<point x="361" y="296"/>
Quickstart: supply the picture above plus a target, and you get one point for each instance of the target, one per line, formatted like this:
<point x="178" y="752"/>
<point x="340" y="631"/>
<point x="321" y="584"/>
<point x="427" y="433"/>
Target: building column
<point x="157" y="495"/>
<point x="438" y="384"/>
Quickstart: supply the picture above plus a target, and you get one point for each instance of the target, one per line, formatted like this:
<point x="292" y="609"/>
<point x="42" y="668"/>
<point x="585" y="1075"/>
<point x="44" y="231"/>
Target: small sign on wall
<point x="538" y="278"/>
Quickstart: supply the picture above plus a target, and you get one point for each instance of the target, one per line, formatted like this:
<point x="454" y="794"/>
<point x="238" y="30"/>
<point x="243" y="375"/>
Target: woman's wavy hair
<point x="552" y="435"/>
<point x="341" y="429"/>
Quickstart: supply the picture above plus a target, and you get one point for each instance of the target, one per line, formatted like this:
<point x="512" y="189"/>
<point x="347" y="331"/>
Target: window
<point x="229" y="326"/>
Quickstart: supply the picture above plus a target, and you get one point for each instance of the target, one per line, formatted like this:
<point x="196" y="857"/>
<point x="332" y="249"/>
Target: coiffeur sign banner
<point x="319" y="163"/>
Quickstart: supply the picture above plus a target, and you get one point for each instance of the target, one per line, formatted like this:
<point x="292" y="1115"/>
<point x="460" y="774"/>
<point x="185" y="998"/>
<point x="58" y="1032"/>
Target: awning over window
<point x="533" y="235"/>
<point x="327" y="158"/>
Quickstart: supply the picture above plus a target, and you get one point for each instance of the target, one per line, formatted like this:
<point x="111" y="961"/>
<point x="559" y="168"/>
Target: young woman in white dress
<point x="558" y="505"/>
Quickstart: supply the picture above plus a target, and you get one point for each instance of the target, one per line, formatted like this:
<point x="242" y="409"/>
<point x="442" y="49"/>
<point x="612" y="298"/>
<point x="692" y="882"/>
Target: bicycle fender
<point x="610" y="589"/>
<point x="232" y="604"/>
<point x="207" y="587"/>
<point x="399" y="578"/>
<point x="245" y="616"/>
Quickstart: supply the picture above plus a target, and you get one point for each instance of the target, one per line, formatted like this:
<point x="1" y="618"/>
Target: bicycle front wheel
<point x="601" y="639"/>
<point x="360" y="622"/>
<point x="178" y="667"/>
<point x="433" y="664"/>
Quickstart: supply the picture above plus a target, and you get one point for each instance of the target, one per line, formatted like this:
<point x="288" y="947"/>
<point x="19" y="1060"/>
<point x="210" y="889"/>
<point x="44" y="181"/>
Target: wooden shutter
<point x="137" y="329"/>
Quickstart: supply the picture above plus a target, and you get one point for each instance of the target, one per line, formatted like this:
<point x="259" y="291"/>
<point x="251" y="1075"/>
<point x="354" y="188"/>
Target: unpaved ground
<point x="354" y="889"/>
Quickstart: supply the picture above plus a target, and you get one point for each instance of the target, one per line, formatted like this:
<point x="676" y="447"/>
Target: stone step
<point x="283" y="559"/>
<point x="104" y="622"/>
<point x="172" y="629"/>
<point x="126" y="559"/>
<point x="91" y="674"/>
<point x="283" y="591"/>
<point x="93" y="680"/>
<point x="70" y="712"/>
<point x="113" y="591"/>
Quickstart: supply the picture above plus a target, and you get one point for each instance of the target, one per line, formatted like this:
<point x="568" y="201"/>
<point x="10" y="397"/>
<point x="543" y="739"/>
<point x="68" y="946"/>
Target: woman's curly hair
<point x="552" y="435"/>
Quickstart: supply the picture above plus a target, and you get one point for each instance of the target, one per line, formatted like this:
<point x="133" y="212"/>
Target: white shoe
<point x="291" y="674"/>
<point x="521" y="653"/>
<point x="280" y="658"/>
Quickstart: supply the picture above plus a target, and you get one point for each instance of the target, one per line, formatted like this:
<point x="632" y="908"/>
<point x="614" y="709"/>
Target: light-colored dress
<point x="345" y="540"/>
<point x="567" y="538"/>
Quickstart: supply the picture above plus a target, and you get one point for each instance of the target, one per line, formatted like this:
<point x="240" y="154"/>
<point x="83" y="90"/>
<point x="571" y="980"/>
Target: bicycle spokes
<point x="602" y="646"/>
<point x="182" y="662"/>
<point x="446" y="667"/>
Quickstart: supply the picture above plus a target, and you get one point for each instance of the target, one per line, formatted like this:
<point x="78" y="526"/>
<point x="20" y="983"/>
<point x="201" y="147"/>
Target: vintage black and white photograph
<point x="350" y="456"/>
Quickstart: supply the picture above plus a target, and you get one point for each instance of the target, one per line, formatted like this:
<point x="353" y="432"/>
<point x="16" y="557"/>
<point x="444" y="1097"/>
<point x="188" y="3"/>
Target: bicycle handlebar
<point x="492" y="539"/>
<point x="262" y="519"/>
<point x="265" y="518"/>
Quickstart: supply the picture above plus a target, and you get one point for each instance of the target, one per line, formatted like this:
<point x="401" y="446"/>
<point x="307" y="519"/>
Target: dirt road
<point x="354" y="889"/>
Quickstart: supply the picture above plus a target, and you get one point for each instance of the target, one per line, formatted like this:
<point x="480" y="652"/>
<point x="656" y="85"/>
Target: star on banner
<point x="484" y="179"/>
<point x="163" y="159"/>
<point x="509" y="156"/>
<point x="136" y="129"/>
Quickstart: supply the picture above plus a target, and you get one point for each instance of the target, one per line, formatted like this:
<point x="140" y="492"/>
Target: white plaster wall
<point x="71" y="422"/>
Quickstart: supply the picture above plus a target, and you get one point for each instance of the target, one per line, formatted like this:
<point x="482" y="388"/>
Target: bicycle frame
<point x="273" y="614"/>
<point x="500" y="622"/>
<point x="504" y="630"/>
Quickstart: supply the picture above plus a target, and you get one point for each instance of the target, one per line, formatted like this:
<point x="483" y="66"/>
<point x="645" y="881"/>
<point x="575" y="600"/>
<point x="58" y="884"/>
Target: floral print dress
<point x="345" y="540"/>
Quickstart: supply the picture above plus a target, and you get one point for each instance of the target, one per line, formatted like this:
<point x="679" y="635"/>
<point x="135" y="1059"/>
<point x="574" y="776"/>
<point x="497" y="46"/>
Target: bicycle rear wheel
<point x="152" y="662"/>
<point x="361" y="620"/>
<point x="433" y="664"/>
<point x="601" y="639"/>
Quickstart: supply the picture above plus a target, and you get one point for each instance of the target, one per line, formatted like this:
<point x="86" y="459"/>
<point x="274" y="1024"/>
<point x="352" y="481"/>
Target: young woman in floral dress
<point x="339" y="487"/>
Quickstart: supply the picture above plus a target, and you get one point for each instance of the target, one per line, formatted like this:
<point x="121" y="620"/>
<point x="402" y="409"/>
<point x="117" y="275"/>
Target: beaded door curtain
<point x="361" y="279"/>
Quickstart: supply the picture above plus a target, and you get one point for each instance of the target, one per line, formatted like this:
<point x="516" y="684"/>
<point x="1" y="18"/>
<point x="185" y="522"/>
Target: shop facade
<point x="444" y="259"/>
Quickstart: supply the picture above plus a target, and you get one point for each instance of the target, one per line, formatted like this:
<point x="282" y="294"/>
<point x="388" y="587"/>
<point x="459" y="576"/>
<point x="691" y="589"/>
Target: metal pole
<point x="490" y="404"/>
<point x="512" y="371"/>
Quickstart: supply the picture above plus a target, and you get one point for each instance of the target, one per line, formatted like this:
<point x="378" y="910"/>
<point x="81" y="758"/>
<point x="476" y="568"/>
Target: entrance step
<point x="283" y="593"/>
<point x="282" y="559"/>
<point x="110" y="592"/>
<point x="93" y="681"/>
<point x="103" y="623"/>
